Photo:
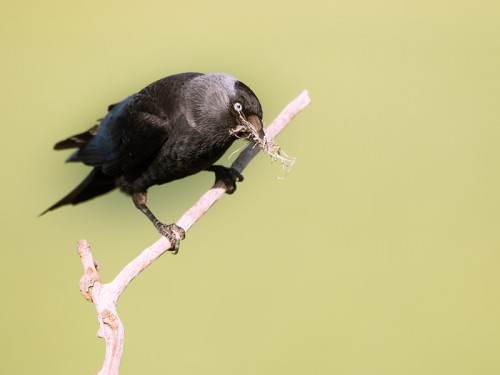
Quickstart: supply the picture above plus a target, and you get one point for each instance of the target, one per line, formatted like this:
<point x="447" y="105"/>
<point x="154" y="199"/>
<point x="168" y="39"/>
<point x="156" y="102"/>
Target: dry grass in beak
<point x="247" y="131"/>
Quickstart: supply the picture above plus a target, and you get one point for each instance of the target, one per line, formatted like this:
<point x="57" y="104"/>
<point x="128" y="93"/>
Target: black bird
<point x="173" y="128"/>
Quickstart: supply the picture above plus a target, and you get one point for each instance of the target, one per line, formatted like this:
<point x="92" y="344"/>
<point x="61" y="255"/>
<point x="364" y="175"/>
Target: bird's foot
<point x="174" y="233"/>
<point x="228" y="176"/>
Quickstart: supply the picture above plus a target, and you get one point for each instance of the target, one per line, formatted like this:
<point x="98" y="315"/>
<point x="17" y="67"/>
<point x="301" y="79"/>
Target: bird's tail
<point x="96" y="183"/>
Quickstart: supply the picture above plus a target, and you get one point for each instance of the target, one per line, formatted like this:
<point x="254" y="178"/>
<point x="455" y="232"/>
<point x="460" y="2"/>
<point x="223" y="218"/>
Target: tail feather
<point x="96" y="183"/>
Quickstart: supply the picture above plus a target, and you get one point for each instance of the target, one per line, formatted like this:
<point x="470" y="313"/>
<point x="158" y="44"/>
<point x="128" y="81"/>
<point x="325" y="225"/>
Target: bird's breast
<point x="178" y="158"/>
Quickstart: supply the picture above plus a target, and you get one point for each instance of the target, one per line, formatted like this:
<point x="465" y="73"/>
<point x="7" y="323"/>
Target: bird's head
<point x="226" y="106"/>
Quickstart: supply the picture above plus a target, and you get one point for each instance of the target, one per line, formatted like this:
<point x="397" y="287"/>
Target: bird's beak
<point x="258" y="126"/>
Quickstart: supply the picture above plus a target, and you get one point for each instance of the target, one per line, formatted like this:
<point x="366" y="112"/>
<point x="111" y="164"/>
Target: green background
<point x="378" y="254"/>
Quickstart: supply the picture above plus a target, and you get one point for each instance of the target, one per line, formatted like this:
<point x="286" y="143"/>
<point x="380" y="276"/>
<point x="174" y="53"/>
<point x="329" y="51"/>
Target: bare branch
<point x="105" y="296"/>
<point x="105" y="299"/>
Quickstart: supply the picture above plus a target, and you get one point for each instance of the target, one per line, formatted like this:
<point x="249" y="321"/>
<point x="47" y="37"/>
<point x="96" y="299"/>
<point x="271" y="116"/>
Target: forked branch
<point x="105" y="296"/>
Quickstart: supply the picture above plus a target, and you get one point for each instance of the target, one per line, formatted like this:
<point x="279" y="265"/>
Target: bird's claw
<point x="174" y="233"/>
<point x="228" y="176"/>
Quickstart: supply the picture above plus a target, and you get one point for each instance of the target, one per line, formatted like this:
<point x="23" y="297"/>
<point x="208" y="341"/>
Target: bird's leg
<point x="173" y="232"/>
<point x="227" y="175"/>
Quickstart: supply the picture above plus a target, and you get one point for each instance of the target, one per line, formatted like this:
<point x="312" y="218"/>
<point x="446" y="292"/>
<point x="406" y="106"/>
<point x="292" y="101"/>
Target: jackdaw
<point x="173" y="128"/>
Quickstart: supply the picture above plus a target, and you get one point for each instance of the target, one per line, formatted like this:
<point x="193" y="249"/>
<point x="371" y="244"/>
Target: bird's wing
<point x="129" y="136"/>
<point x="77" y="140"/>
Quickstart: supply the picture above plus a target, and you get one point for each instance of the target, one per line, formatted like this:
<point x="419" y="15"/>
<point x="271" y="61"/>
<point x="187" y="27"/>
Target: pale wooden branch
<point x="105" y="296"/>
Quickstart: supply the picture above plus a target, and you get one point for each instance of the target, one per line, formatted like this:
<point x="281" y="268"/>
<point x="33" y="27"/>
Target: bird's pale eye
<point x="238" y="107"/>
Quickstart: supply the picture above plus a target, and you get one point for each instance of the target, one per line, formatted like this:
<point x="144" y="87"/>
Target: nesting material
<point x="248" y="132"/>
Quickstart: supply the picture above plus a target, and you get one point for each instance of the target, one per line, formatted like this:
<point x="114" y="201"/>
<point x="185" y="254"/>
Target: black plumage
<point x="173" y="128"/>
